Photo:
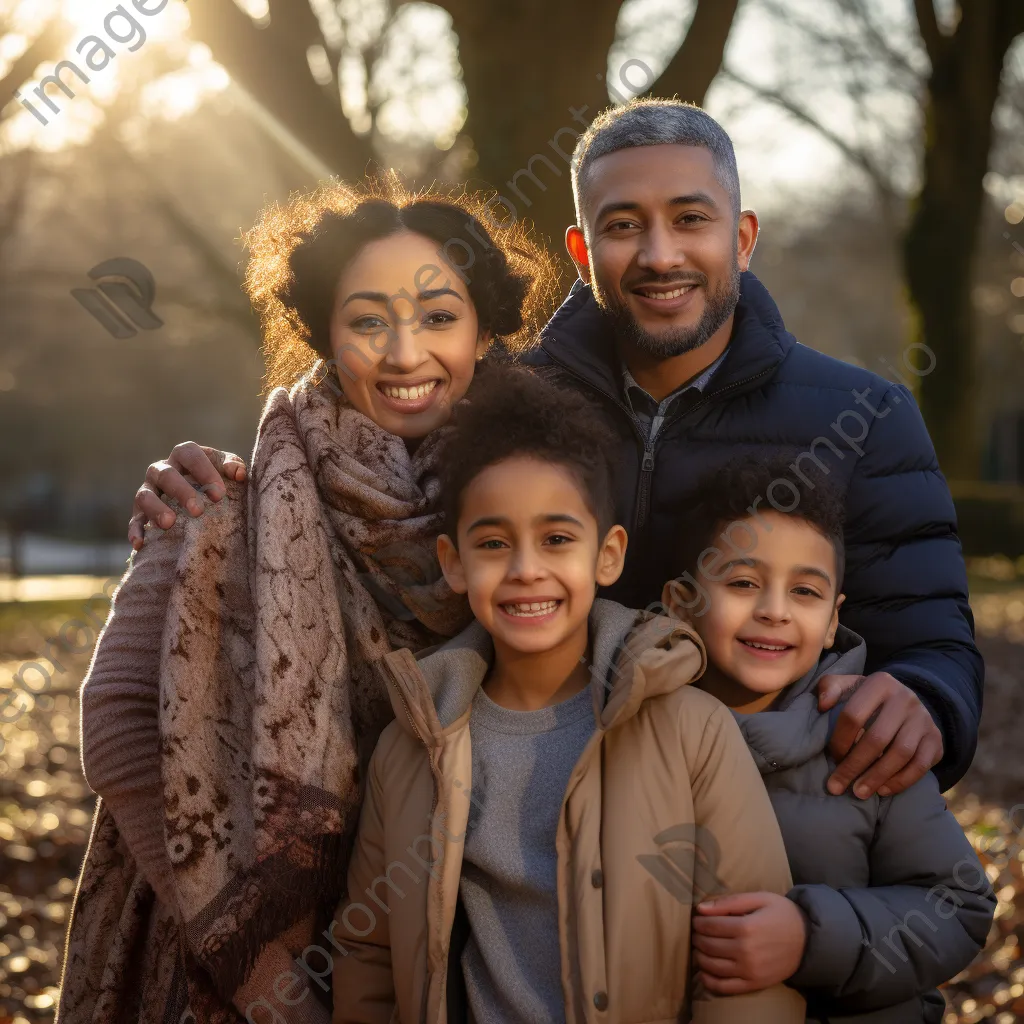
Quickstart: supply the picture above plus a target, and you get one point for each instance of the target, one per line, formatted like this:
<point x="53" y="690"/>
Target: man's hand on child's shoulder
<point x="748" y="941"/>
<point x="885" y="738"/>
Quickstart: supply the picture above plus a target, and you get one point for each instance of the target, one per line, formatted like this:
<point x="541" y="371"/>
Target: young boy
<point x="889" y="899"/>
<point x="538" y="826"/>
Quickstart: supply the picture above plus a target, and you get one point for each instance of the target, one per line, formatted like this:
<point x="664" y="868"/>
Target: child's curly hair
<point x="513" y="411"/>
<point x="725" y="495"/>
<point x="298" y="250"/>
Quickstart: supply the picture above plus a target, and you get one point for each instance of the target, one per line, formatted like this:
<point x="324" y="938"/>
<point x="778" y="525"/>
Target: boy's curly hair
<point x="298" y="250"/>
<point x="776" y="481"/>
<point x="512" y="411"/>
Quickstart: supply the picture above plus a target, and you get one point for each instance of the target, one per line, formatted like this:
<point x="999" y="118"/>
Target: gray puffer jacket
<point x="895" y="897"/>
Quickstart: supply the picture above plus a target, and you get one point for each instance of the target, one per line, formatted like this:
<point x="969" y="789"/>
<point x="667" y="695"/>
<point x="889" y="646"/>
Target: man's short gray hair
<point x="654" y="122"/>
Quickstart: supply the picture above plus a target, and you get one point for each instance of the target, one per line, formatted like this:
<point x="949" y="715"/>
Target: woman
<point x="233" y="702"/>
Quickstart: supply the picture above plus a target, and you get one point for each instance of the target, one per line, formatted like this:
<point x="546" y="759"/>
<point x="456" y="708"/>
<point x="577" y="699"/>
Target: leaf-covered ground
<point x="46" y="809"/>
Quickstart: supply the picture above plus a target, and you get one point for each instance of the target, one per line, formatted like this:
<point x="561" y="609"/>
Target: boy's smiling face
<point x="530" y="555"/>
<point x="768" y="614"/>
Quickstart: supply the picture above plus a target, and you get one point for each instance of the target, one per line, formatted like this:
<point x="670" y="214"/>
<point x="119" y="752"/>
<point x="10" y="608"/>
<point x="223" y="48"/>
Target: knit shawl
<point x="287" y="595"/>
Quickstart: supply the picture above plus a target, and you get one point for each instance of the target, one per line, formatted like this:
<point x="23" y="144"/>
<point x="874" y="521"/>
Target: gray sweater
<point x="522" y="761"/>
<point x="894" y="895"/>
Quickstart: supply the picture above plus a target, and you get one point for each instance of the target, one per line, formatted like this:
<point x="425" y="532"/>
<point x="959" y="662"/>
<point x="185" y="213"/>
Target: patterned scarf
<point x="285" y="598"/>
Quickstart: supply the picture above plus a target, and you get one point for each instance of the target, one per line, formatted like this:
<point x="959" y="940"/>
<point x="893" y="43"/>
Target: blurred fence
<point x="33" y="554"/>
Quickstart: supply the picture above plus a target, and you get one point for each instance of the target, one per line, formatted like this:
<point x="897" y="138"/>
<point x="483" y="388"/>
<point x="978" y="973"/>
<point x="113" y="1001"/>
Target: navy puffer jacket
<point x="905" y="585"/>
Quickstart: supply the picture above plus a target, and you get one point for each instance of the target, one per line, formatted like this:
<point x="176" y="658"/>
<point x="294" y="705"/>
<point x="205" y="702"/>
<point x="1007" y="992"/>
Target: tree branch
<point x="804" y="116"/>
<point x="271" y="65"/>
<point x="46" y="46"/>
<point x="692" y="70"/>
<point x="862" y="13"/>
<point x="13" y="205"/>
<point x="931" y="34"/>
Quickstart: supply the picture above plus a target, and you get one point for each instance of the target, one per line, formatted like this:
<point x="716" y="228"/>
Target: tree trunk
<point x="535" y="75"/>
<point x="48" y="45"/>
<point x="692" y="70"/>
<point x="941" y="241"/>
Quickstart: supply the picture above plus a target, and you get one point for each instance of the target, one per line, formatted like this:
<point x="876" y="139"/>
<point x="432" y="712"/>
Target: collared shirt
<point x="651" y="414"/>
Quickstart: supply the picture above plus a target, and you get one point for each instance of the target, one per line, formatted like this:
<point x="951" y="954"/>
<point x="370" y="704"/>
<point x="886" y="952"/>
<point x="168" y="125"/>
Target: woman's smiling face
<point x="404" y="334"/>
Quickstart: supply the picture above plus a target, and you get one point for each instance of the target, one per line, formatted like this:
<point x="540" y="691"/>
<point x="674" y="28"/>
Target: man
<point x="688" y="354"/>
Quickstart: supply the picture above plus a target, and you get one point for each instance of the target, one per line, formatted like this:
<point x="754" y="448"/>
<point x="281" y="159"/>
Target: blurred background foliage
<point x="880" y="141"/>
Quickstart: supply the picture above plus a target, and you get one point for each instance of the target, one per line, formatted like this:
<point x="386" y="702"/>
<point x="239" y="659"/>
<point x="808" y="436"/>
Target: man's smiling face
<point x="665" y="247"/>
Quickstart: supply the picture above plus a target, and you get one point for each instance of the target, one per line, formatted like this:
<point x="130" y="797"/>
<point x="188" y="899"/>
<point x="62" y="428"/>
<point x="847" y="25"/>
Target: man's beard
<point x="718" y="307"/>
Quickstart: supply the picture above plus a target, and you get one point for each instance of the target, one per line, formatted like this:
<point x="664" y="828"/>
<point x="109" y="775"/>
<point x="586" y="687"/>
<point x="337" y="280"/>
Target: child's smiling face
<point x="767" y="615"/>
<point x="530" y="554"/>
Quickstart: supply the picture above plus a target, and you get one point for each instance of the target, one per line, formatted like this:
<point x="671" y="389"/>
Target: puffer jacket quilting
<point x="905" y="581"/>
<point x="896" y="898"/>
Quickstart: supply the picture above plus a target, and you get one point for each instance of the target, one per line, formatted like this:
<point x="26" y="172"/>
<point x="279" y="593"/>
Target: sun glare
<point x="28" y="16"/>
<point x="84" y="16"/>
<point x="78" y="125"/>
<point x="258" y="10"/>
<point x="175" y="95"/>
<point x="87" y="17"/>
<point x="131" y="48"/>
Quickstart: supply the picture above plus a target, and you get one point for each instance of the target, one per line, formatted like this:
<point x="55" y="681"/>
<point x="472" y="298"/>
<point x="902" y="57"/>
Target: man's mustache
<point x="666" y="280"/>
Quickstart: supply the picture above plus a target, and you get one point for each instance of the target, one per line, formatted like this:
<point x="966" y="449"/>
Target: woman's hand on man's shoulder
<point x="188" y="468"/>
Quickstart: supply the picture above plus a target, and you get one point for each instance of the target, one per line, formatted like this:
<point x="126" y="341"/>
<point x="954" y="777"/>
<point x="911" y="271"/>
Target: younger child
<point x="890" y="899"/>
<point x="551" y="799"/>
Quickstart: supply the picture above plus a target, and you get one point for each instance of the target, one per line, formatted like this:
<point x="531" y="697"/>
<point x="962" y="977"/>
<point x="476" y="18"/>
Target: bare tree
<point x="941" y="242"/>
<point x="953" y="79"/>
<point x="534" y="72"/>
<point x="698" y="60"/>
<point x="535" y="75"/>
<point x="46" y="46"/>
<point x="271" y="63"/>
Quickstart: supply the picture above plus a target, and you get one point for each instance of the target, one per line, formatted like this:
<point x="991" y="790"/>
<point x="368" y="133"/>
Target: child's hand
<point x="747" y="942"/>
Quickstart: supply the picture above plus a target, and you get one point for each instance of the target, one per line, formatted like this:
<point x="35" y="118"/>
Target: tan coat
<point x="664" y="806"/>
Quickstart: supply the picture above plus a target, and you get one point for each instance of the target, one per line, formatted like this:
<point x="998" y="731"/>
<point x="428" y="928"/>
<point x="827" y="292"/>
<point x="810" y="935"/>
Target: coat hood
<point x="795" y="730"/>
<point x="634" y="656"/>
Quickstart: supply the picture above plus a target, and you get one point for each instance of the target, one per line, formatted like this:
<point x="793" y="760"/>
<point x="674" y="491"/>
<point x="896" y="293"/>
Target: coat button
<point x="601" y="1000"/>
<point x="597" y="878"/>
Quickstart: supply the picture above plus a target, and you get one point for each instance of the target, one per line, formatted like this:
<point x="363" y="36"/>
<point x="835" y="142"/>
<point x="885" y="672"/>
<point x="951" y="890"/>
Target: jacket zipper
<point x="643" y="495"/>
<point x="644" y="486"/>
<point x="647" y="467"/>
<point x="645" y="444"/>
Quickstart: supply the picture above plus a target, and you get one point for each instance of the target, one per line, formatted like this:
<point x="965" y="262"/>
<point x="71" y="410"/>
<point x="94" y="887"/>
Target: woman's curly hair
<point x="298" y="250"/>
